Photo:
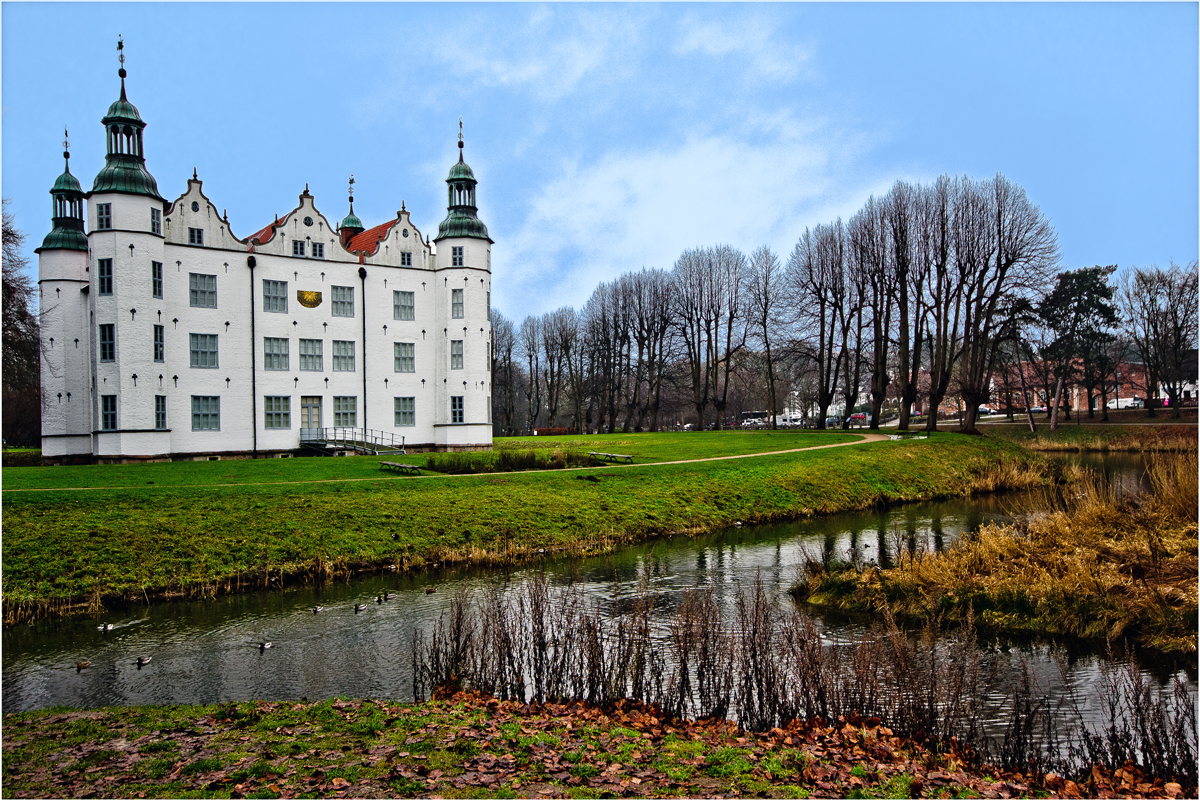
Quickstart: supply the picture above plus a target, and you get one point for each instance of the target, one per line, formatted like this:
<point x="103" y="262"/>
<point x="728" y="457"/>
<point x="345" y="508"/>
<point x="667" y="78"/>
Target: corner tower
<point x="463" y="418"/>
<point x="63" y="301"/>
<point x="127" y="284"/>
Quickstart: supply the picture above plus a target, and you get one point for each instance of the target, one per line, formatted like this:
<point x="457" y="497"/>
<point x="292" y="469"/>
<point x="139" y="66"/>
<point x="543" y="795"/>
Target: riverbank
<point x="471" y="746"/>
<point x="68" y="550"/>
<point x="1099" y="437"/>
<point x="1088" y="563"/>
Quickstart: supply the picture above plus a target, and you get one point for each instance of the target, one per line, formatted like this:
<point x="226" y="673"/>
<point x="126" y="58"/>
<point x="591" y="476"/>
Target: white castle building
<point x="164" y="335"/>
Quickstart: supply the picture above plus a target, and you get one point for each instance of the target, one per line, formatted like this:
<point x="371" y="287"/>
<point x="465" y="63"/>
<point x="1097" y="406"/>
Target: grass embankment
<point x="1093" y="565"/>
<point x="471" y="747"/>
<point x="555" y="453"/>
<point x="157" y="528"/>
<point x="1101" y="438"/>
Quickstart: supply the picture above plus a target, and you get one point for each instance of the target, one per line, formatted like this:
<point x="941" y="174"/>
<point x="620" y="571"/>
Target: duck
<point x="262" y="646"/>
<point x="378" y="599"/>
<point x="105" y="627"/>
<point x="143" y="660"/>
<point x="316" y="609"/>
<point x="79" y="666"/>
<point x="430" y="590"/>
<point x="359" y="607"/>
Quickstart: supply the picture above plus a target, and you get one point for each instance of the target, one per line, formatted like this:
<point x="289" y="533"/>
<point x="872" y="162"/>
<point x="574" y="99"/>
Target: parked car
<point x="832" y="422"/>
<point x="1038" y="410"/>
<point x="985" y="410"/>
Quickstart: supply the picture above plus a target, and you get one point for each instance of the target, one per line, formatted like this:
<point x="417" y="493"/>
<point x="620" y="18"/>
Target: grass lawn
<point x="643" y="447"/>
<point x="150" y="532"/>
<point x="470" y="747"/>
<point x="1106" y="437"/>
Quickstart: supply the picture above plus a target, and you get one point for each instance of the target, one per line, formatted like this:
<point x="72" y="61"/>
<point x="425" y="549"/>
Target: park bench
<point x="611" y="457"/>
<point x="400" y="468"/>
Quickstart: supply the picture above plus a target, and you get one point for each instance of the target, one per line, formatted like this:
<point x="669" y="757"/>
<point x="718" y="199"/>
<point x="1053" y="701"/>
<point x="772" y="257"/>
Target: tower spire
<point x="121" y="58"/>
<point x="66" y="149"/>
<point x="460" y="141"/>
<point x="351" y="225"/>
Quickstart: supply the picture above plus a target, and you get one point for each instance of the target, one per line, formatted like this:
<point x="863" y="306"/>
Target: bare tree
<point x="905" y="217"/>
<point x="695" y="316"/>
<point x="1003" y="246"/>
<point x="816" y="282"/>
<point x="22" y="349"/>
<point x="873" y="279"/>
<point x="1161" y="317"/>
<point x="556" y="327"/>
<point x="944" y="289"/>
<point x="728" y="268"/>
<point x="529" y="344"/>
<point x="764" y="289"/>
<point x="504" y="395"/>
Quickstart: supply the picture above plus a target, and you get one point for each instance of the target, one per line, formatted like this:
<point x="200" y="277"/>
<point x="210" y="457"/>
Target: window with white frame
<point x="156" y="221"/>
<point x="344" y="414"/>
<point x="160" y="343"/>
<point x="456" y="354"/>
<point x="456" y="303"/>
<point x="160" y="412"/>
<point x="108" y="412"/>
<point x="206" y="412"/>
<point x="406" y="361"/>
<point x="277" y="410"/>
<point x="195" y="236"/>
<point x="342" y="304"/>
<point x="310" y="355"/>
<point x="202" y="290"/>
<point x="318" y="250"/>
<point x="203" y="349"/>
<point x="489" y="408"/>
<point x="404" y="306"/>
<point x="406" y="259"/>
<point x="156" y="279"/>
<point x="103" y="216"/>
<point x="275" y="296"/>
<point x="275" y="353"/>
<point x="456" y="408"/>
<point x="297" y="247"/>
<point x="406" y="411"/>
<point x="104" y="277"/>
<point x="108" y="342"/>
<point x="487" y="365"/>
<point x="343" y="356"/>
<point x="456" y="257"/>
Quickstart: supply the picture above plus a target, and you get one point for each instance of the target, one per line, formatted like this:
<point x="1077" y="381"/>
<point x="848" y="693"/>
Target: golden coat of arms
<point x="308" y="299"/>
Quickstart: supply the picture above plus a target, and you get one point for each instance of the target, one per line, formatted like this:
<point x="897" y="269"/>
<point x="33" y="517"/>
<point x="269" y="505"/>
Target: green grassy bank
<point x="1091" y="563"/>
<point x="471" y="747"/>
<point x="162" y="529"/>
<point x="1100" y="438"/>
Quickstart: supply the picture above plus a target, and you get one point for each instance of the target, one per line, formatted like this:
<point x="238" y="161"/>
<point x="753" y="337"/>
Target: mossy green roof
<point x="127" y="175"/>
<point x="458" y="223"/>
<point x="461" y="171"/>
<point x="64" y="239"/>
<point x="122" y="109"/>
<point x="66" y="183"/>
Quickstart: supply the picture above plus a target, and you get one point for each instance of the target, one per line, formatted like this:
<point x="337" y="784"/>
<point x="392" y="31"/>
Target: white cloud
<point x="751" y="40"/>
<point x="629" y="210"/>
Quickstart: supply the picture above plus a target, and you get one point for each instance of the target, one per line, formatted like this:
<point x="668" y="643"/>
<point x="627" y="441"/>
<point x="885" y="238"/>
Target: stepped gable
<point x="266" y="234"/>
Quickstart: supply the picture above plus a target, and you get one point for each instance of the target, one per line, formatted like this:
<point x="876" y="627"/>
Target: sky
<point x="608" y="138"/>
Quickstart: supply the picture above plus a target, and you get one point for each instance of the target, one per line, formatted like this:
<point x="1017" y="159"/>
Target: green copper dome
<point x="461" y="171"/>
<point x="64" y="239"/>
<point x="352" y="221"/>
<point x="68" y="214"/>
<point x="66" y="183"/>
<point x="458" y="223"/>
<point x="129" y="177"/>
<point x="122" y="110"/>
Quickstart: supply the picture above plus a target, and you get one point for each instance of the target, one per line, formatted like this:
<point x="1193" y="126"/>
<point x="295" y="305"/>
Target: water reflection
<point x="208" y="651"/>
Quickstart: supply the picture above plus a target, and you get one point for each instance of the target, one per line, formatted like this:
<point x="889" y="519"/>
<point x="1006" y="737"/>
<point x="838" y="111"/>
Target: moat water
<point x="207" y="651"/>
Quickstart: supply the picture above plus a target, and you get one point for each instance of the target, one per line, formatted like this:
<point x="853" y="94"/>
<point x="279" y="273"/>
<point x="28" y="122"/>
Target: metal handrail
<point x="367" y="439"/>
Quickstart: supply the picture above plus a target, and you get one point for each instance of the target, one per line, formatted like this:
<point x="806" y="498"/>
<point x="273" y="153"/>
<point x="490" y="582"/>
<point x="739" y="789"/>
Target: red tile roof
<point x="266" y="234"/>
<point x="368" y="241"/>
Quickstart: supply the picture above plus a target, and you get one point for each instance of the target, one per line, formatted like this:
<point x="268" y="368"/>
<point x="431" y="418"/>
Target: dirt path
<point x="866" y="438"/>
